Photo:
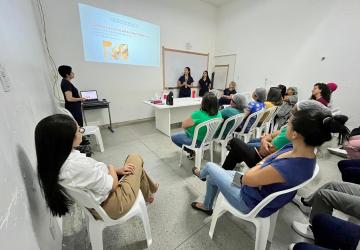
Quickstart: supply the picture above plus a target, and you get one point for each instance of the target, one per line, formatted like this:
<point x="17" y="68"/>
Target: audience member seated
<point x="342" y="196"/>
<point x="321" y="93"/>
<point x="306" y="130"/>
<point x="209" y="110"/>
<point x="227" y="95"/>
<point x="283" y="90"/>
<point x="254" y="106"/>
<point x="289" y="101"/>
<point x="59" y="164"/>
<point x="268" y="144"/>
<point x="350" y="169"/>
<point x="273" y="98"/>
<point x="237" y="106"/>
<point x="332" y="233"/>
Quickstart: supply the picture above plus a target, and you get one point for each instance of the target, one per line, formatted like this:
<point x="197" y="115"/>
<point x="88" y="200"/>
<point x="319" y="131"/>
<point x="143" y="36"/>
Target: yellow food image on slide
<point x="119" y="51"/>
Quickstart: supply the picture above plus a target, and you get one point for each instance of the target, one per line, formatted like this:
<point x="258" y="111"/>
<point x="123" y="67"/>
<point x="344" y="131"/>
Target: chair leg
<point x="198" y="157"/>
<point x="95" y="233"/>
<point x="181" y="154"/>
<point x="262" y="233"/>
<point x="211" y="151"/>
<point x="223" y="152"/>
<point x="99" y="140"/>
<point x="145" y="220"/>
<point x="273" y="219"/>
<point x="218" y="211"/>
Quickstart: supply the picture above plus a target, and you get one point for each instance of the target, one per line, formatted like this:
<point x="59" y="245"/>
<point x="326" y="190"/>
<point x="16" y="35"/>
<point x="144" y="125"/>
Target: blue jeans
<point x="181" y="138"/>
<point x="254" y="143"/>
<point x="218" y="179"/>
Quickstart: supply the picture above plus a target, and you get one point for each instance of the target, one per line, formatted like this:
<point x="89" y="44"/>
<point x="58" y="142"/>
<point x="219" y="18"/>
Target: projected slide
<point x="112" y="38"/>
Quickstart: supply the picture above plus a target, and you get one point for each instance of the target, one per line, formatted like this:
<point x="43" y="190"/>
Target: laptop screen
<point x="89" y="95"/>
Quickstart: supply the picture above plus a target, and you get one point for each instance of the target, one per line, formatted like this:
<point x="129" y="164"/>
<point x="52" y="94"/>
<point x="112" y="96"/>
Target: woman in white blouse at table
<point x="58" y="164"/>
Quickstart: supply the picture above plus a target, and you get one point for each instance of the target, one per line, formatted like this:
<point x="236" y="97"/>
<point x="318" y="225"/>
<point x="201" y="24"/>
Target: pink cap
<point x="332" y="86"/>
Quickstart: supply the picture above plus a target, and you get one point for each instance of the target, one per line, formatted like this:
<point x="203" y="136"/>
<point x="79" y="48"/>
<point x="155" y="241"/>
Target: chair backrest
<point x="253" y="213"/>
<point x="86" y="202"/>
<point x="65" y="111"/>
<point x="269" y="114"/>
<point x="258" y="116"/>
<point x="212" y="126"/>
<point x="236" y="121"/>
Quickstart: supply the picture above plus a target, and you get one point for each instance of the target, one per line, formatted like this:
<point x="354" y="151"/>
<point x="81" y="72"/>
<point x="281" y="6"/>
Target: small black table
<point x="97" y="105"/>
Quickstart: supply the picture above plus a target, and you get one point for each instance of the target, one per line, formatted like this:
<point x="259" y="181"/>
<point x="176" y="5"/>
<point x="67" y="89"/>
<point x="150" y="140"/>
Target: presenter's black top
<point x="185" y="92"/>
<point x="204" y="86"/>
<point x="73" y="107"/>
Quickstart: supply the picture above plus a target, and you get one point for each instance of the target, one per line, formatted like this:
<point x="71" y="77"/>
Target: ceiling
<point x="218" y="3"/>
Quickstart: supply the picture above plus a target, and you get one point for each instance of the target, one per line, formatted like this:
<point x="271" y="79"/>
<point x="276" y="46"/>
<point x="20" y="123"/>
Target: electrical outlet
<point x="4" y="79"/>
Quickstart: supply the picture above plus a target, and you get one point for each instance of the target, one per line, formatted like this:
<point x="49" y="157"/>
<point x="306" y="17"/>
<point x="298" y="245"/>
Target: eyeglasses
<point x="81" y="130"/>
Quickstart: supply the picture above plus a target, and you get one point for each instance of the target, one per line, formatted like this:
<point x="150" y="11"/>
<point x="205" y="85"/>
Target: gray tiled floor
<point x="174" y="224"/>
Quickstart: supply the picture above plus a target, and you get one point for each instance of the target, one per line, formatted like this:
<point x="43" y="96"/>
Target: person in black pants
<point x="350" y="170"/>
<point x="240" y="152"/>
<point x="71" y="94"/>
<point x="332" y="233"/>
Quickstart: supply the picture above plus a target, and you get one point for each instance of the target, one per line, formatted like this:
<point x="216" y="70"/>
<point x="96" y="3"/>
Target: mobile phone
<point x="237" y="179"/>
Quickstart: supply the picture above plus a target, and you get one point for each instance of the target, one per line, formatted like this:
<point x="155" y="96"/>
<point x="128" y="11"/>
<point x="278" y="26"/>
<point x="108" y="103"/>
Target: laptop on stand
<point x="90" y="95"/>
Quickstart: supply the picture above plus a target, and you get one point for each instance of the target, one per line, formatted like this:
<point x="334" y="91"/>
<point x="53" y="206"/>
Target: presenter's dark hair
<point x="207" y="76"/>
<point x="54" y="136"/>
<point x="188" y="68"/>
<point x="210" y="104"/>
<point x="325" y="91"/>
<point x="283" y="90"/>
<point x="64" y="70"/>
<point x="316" y="127"/>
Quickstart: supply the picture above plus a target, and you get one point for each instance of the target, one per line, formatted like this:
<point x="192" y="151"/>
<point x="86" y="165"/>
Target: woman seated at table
<point x="185" y="83"/>
<point x="204" y="83"/>
<point x="286" y="168"/>
<point x="209" y="110"/>
<point x="227" y="95"/>
<point x="58" y="164"/>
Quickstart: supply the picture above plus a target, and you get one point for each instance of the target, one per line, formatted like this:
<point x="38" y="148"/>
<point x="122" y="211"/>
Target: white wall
<point x="283" y="41"/>
<point x="126" y="86"/>
<point x="24" y="219"/>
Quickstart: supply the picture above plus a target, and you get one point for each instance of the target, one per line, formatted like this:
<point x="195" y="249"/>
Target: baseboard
<point x="120" y="124"/>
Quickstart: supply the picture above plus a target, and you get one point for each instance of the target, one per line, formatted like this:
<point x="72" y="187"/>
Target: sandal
<point x="191" y="156"/>
<point x="208" y="212"/>
<point x="193" y="171"/>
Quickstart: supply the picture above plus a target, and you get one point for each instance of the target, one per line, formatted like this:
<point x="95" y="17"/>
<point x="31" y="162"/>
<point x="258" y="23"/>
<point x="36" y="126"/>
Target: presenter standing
<point x="204" y="83"/>
<point x="71" y="94"/>
<point x="185" y="83"/>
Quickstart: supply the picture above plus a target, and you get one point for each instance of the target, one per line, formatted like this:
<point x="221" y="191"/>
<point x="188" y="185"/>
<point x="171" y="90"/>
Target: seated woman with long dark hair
<point x="58" y="163"/>
<point x="209" y="110"/>
<point x="286" y="168"/>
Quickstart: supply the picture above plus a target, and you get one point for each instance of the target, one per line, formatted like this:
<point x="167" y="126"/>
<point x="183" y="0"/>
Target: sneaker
<point x="297" y="201"/>
<point x="303" y="229"/>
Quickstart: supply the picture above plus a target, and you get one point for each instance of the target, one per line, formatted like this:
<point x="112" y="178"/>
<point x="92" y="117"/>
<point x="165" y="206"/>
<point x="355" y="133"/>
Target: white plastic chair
<point x="89" y="130"/>
<point x="268" y="121"/>
<point x="207" y="143"/>
<point x="247" y="136"/>
<point x="264" y="226"/>
<point x="236" y="120"/>
<point x="96" y="227"/>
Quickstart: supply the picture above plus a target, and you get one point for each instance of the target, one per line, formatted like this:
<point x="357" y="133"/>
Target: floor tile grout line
<point x="190" y="236"/>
